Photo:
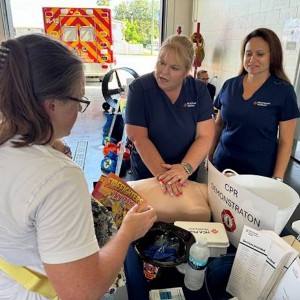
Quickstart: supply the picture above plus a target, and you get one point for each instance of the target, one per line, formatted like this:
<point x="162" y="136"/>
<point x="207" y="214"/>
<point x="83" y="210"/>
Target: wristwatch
<point x="188" y="168"/>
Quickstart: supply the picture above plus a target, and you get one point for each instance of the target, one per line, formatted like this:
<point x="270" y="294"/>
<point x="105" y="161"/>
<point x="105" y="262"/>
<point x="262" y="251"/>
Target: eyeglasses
<point x="84" y="103"/>
<point x="204" y="79"/>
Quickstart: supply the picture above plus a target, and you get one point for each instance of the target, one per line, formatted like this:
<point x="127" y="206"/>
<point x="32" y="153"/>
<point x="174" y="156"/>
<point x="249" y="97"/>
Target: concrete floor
<point x="86" y="137"/>
<point x="86" y="144"/>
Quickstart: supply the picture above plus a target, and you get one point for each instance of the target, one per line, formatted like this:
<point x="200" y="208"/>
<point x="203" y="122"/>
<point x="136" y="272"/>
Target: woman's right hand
<point x="136" y="224"/>
<point x="173" y="179"/>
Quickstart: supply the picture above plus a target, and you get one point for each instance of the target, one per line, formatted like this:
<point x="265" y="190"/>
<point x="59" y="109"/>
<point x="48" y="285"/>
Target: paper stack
<point x="261" y="261"/>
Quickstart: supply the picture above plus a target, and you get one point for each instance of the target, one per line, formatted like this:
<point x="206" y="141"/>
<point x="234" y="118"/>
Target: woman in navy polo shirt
<point x="169" y="118"/>
<point x="257" y="112"/>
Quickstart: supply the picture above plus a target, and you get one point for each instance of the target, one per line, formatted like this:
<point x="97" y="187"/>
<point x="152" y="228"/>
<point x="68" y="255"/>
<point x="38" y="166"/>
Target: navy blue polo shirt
<point x="171" y="127"/>
<point x="248" y="143"/>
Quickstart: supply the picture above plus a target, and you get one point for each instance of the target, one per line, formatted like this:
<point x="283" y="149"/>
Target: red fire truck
<point x="87" y="31"/>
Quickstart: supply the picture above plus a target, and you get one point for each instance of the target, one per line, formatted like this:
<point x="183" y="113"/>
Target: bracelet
<point x="277" y="178"/>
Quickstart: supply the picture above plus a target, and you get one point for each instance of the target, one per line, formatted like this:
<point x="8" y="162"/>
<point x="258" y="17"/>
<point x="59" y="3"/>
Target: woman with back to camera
<point x="169" y="118"/>
<point x="46" y="222"/>
<point x="258" y="112"/>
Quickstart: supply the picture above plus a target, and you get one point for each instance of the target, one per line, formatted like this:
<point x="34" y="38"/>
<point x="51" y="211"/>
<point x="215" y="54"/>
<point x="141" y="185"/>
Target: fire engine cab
<point x="87" y="31"/>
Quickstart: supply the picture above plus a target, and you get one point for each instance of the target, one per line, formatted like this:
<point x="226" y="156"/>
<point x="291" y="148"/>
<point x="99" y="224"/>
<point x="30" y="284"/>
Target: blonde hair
<point x="183" y="49"/>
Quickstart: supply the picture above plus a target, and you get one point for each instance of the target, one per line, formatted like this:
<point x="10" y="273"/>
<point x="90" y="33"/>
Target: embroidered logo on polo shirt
<point x="261" y="103"/>
<point x="189" y="104"/>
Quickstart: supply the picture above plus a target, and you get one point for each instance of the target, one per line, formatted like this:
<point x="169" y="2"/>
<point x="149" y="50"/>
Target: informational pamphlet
<point x="289" y="286"/>
<point x="261" y="262"/>
<point x="273" y="266"/>
<point x="117" y="196"/>
<point x="281" y="258"/>
<point x="248" y="264"/>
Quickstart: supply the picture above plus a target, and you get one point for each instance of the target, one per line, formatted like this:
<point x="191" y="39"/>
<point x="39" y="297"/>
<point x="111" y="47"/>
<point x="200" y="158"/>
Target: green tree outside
<point x="103" y="2"/>
<point x="141" y="18"/>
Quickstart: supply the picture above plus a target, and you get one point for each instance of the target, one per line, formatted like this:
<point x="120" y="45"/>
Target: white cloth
<point x="45" y="212"/>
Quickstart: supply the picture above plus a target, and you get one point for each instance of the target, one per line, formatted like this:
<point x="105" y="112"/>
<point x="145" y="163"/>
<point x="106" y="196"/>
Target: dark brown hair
<point x="36" y="68"/>
<point x="276" y="55"/>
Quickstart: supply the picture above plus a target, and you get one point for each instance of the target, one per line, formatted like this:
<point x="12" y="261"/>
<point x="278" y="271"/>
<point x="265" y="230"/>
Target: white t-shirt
<point x="45" y="212"/>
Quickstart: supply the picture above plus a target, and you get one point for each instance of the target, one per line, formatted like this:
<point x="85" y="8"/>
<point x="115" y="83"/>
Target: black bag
<point x="174" y="250"/>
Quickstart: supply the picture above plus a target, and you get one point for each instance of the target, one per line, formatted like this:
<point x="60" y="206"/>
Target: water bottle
<point x="195" y="270"/>
<point x="181" y="268"/>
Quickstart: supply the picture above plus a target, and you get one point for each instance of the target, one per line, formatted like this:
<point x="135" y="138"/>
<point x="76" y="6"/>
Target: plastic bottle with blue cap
<point x="195" y="269"/>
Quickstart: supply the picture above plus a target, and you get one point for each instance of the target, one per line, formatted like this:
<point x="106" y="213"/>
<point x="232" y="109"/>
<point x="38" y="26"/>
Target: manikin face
<point x="257" y="57"/>
<point x="168" y="73"/>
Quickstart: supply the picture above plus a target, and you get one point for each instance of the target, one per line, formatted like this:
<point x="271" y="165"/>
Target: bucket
<point x="276" y="192"/>
<point x="169" y="232"/>
<point x="216" y="277"/>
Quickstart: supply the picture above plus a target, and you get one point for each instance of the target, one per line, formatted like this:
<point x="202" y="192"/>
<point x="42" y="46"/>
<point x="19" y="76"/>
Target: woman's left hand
<point x="173" y="179"/>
